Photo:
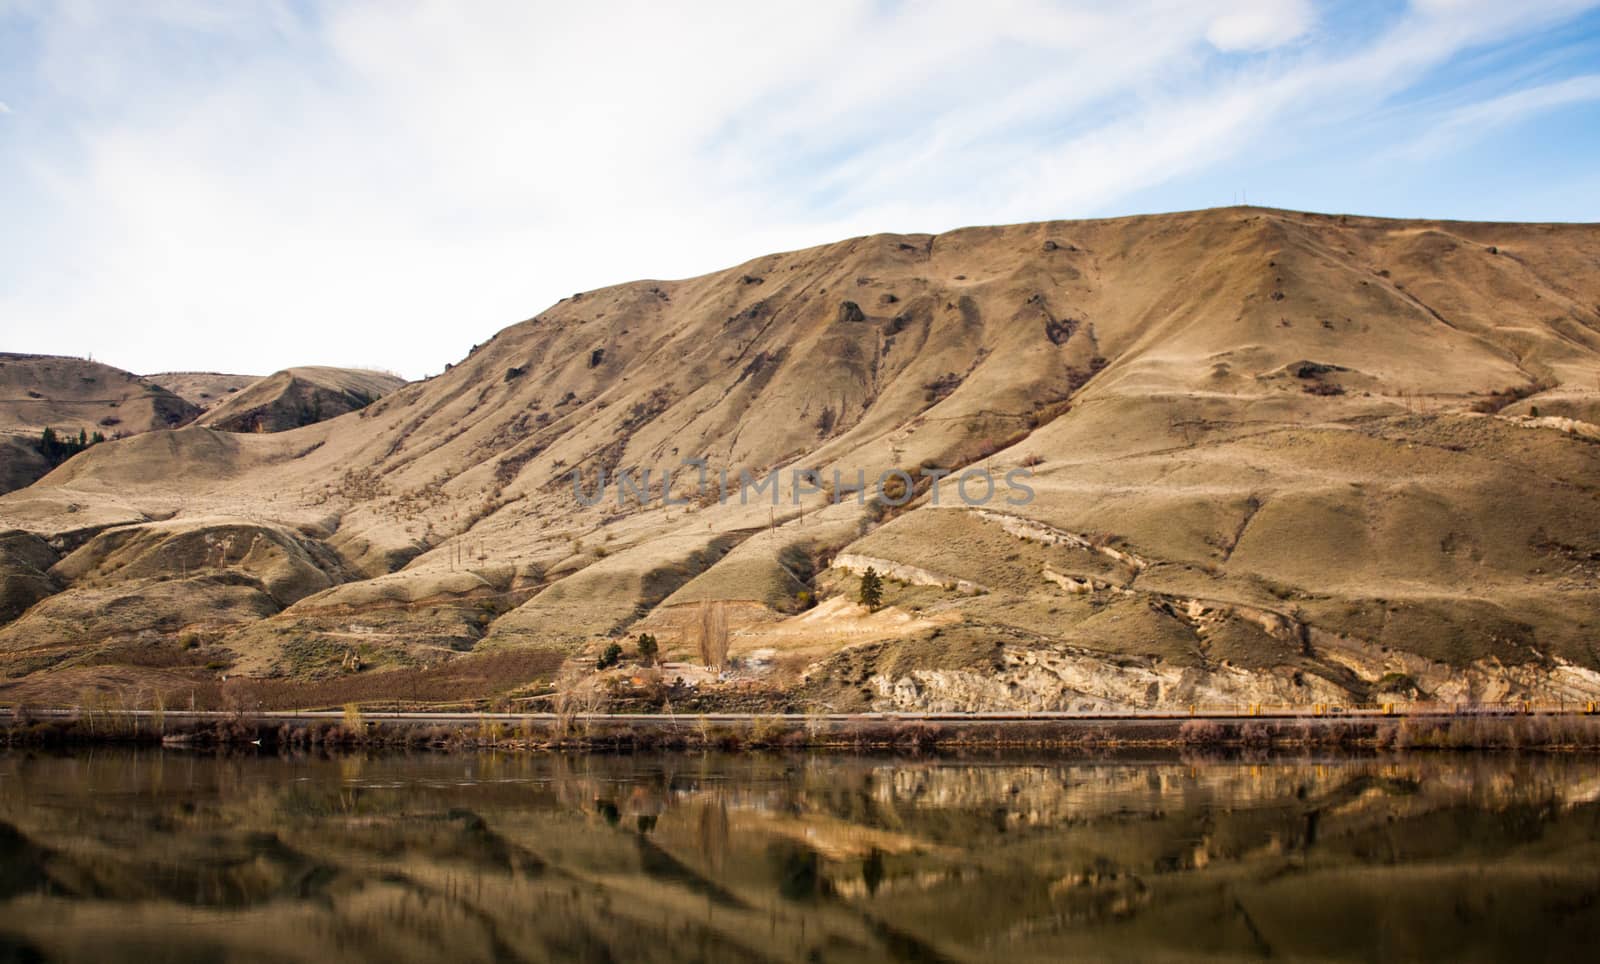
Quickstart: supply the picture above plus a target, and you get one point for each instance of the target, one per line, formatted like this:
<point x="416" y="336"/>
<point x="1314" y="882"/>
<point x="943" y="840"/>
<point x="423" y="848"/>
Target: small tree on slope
<point x="871" y="595"/>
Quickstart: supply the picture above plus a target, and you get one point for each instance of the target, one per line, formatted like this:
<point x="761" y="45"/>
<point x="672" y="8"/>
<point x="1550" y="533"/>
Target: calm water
<point x="149" y="856"/>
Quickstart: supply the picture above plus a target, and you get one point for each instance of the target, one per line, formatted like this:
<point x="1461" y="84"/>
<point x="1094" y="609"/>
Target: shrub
<point x="609" y="657"/>
<point x="1255" y="735"/>
<point x="1495" y="401"/>
<point x="826" y="421"/>
<point x="1203" y="732"/>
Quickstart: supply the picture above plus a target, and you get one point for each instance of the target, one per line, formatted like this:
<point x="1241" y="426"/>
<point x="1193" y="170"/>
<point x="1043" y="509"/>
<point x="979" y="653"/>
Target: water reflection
<point x="154" y="856"/>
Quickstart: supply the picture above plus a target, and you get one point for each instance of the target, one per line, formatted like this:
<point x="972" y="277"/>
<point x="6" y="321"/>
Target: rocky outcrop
<point x="1036" y="531"/>
<point x="1067" y="680"/>
<point x="901" y="572"/>
<point x="1081" y="681"/>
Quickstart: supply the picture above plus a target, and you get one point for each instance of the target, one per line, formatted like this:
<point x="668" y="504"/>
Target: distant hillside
<point x="71" y="395"/>
<point x="297" y="397"/>
<point x="1276" y="458"/>
<point x="204" y="390"/>
<point x="68" y="394"/>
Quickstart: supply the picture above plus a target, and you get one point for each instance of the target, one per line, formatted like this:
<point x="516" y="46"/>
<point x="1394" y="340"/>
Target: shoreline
<point x="535" y="733"/>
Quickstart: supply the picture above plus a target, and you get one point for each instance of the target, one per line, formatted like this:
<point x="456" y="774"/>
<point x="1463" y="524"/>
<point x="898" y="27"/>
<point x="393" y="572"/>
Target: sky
<point x="245" y="186"/>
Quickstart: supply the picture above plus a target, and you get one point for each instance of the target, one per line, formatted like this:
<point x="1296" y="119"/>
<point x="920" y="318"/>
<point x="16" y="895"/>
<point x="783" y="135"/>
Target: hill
<point x="69" y="396"/>
<point x="204" y="390"/>
<point x="297" y="397"/>
<point x="1273" y="457"/>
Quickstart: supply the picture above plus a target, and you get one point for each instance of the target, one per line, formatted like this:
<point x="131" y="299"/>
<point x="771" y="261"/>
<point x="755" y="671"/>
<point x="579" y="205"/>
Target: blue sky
<point x="245" y="186"/>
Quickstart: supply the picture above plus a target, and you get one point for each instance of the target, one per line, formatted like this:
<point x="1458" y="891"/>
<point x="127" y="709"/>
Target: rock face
<point x="1268" y="457"/>
<point x="296" y="397"/>
<point x="1041" y="680"/>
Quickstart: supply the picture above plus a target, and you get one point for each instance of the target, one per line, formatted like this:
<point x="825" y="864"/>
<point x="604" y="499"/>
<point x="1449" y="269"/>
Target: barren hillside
<point x="204" y="390"/>
<point x="68" y="394"/>
<point x="1275" y="457"/>
<point x="297" y="397"/>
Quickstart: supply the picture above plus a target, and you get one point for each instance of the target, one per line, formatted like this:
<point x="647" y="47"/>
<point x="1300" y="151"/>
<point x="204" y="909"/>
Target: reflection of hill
<point x="152" y="856"/>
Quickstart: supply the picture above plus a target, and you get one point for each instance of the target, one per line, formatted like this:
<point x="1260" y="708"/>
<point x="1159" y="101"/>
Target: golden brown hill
<point x="72" y="396"/>
<point x="204" y="390"/>
<point x="1275" y="457"/>
<point x="69" y="394"/>
<point x="298" y="397"/>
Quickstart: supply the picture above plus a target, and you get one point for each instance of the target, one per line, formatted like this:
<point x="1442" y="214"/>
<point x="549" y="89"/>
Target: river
<point x="157" y="855"/>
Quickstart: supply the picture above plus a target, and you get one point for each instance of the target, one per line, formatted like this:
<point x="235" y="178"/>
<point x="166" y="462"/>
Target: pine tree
<point x="871" y="595"/>
<point x="648" y="649"/>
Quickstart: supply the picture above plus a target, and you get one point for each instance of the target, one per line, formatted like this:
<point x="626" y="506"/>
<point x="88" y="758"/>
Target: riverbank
<point x="730" y="732"/>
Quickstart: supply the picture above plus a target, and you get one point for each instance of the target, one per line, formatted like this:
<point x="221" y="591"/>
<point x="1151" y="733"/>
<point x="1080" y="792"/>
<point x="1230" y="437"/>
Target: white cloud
<point x="1252" y="25"/>
<point x="5" y="108"/>
<point x="386" y="183"/>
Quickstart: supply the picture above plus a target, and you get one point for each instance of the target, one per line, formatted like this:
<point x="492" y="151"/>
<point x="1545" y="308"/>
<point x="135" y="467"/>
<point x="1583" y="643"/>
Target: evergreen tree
<point x="871" y="595"/>
<point x="58" y="448"/>
<point x="648" y="648"/>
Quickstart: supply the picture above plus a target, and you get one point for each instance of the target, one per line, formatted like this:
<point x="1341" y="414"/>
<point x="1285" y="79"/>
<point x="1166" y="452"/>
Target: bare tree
<point x="577" y="695"/>
<point x="714" y="634"/>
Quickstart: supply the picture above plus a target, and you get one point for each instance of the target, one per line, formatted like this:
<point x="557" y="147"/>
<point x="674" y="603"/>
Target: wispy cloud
<point x="1484" y="117"/>
<point x="251" y="186"/>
